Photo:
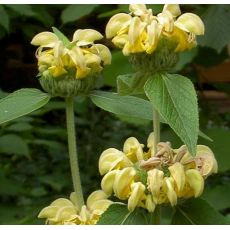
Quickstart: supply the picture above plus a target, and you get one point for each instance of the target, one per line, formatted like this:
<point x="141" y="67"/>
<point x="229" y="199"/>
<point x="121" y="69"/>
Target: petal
<point x="61" y="202"/>
<point x="195" y="180"/>
<point x="95" y="196"/>
<point x="48" y="212"/>
<point x="171" y="194"/>
<point x="132" y="146"/>
<point x="84" y="215"/>
<point x="86" y="36"/>
<point x="123" y="181"/>
<point x="149" y="203"/>
<point x="150" y="143"/>
<point x="45" y="59"/>
<point x="153" y="34"/>
<point x="104" y="53"/>
<point x="46" y="39"/>
<point x="165" y="19"/>
<point x="112" y="158"/>
<point x="108" y="182"/>
<point x="135" y="30"/>
<point x="66" y="213"/>
<point x="177" y="173"/>
<point x="120" y="40"/>
<point x="190" y="23"/>
<point x="137" y="194"/>
<point x="73" y="199"/>
<point x="203" y="148"/>
<point x="92" y="60"/>
<point x="77" y="57"/>
<point x="100" y="206"/>
<point x="117" y="23"/>
<point x="138" y="9"/>
<point x="57" y="71"/>
<point x="155" y="181"/>
<point x="174" y="9"/>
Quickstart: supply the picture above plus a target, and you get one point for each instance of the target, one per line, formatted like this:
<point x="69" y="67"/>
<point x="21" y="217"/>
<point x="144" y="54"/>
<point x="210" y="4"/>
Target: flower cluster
<point x="146" y="178"/>
<point x="66" y="211"/>
<point x="80" y="57"/>
<point x="140" y="31"/>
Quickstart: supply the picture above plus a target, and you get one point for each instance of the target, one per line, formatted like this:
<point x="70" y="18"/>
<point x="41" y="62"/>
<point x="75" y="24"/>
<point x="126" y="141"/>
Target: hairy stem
<point x="73" y="151"/>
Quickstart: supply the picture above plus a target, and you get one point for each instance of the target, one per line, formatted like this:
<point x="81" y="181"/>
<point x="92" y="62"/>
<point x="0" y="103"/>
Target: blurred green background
<point x="34" y="165"/>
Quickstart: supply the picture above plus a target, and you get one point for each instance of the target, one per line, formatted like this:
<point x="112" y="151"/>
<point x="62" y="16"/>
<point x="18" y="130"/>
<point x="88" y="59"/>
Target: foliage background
<point x="34" y="167"/>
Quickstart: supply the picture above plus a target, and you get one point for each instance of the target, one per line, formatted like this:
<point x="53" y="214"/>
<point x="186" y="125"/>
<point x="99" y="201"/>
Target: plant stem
<point x="155" y="217"/>
<point x="156" y="129"/>
<point x="73" y="151"/>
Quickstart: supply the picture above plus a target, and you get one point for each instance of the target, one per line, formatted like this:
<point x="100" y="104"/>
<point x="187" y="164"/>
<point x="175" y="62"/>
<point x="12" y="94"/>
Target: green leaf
<point x="20" y="103"/>
<point x="203" y="135"/>
<point x="4" y="18"/>
<point x="20" y="127"/>
<point x="13" y="144"/>
<point x="123" y="105"/>
<point x="217" y="27"/>
<point x="74" y="12"/>
<point x="61" y="36"/>
<point x="174" y="97"/>
<point x="131" y="84"/>
<point x="197" y="211"/>
<point x="222" y="192"/>
<point x="118" y="214"/>
<point x="22" y="9"/>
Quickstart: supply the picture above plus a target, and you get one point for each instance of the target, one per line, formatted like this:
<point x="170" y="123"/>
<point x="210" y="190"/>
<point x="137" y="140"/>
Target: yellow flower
<point x="141" y="31"/>
<point x="84" y="57"/>
<point x="65" y="211"/>
<point x="147" y="179"/>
